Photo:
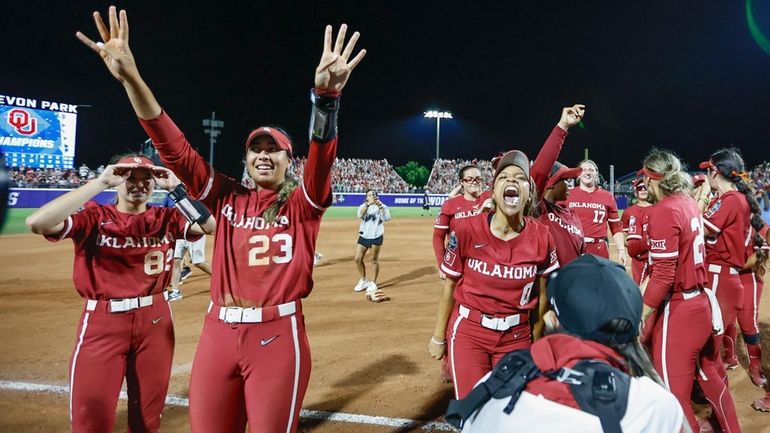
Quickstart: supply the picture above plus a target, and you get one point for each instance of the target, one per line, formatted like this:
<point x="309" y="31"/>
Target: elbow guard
<point x="193" y="211"/>
<point x="323" y="117"/>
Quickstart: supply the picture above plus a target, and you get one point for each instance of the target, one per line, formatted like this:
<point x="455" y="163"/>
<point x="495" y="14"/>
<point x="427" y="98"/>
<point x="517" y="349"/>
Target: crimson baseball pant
<point x="137" y="345"/>
<point x="682" y="340"/>
<point x="249" y="371"/>
<point x="475" y="350"/>
<point x="747" y="320"/>
<point x="598" y="249"/>
<point x="726" y="284"/>
<point x="638" y="270"/>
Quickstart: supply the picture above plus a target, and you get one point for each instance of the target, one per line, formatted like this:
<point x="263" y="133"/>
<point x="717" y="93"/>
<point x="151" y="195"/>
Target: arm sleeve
<point x="440" y="229"/>
<point x="452" y="263"/>
<point x="624" y="220"/>
<point x="664" y="252"/>
<point x="719" y="214"/>
<point x="551" y="262"/>
<point x="78" y="225"/>
<point x="178" y="155"/>
<point x="182" y="227"/>
<point x="637" y="238"/>
<point x="385" y="213"/>
<point x="613" y="217"/>
<point x="545" y="159"/>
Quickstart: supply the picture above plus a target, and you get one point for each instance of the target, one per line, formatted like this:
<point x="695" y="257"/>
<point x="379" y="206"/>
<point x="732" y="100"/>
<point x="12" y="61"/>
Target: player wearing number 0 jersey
<point x="253" y="360"/>
<point x="596" y="209"/>
<point x="492" y="262"/>
<point x="680" y="317"/>
<point x="123" y="259"/>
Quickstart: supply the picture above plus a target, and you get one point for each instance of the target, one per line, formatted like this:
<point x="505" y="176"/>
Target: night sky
<point x="686" y="75"/>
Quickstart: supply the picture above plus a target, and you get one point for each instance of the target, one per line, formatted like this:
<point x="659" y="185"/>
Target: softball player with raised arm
<point x="728" y="219"/>
<point x="253" y="359"/>
<point x="492" y="262"/>
<point x="549" y="177"/>
<point x="596" y="209"/>
<point x="123" y="255"/>
<point x="680" y="318"/>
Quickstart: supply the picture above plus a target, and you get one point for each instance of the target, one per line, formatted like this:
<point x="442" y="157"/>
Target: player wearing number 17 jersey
<point x="680" y="316"/>
<point x="596" y="209"/>
<point x="123" y="256"/>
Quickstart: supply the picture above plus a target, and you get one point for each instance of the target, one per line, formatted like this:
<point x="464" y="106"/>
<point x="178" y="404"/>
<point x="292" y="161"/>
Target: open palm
<point x="335" y="65"/>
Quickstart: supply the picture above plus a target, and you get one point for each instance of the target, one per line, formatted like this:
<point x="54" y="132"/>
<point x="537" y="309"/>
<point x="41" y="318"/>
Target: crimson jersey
<point x="728" y="218"/>
<point x="634" y="222"/>
<point x="255" y="263"/>
<point x="566" y="230"/>
<point x="496" y="276"/>
<point x="121" y="255"/>
<point x="454" y="208"/>
<point x="595" y="209"/>
<point x="677" y="252"/>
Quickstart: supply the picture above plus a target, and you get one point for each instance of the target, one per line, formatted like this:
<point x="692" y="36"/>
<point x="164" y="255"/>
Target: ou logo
<point x="22" y="122"/>
<point x="138" y="160"/>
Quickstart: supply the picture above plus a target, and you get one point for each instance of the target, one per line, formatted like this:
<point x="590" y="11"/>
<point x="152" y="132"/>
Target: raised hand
<point x="571" y="116"/>
<point x="165" y="178"/>
<point x="113" y="48"/>
<point x="334" y="68"/>
<point x="115" y="174"/>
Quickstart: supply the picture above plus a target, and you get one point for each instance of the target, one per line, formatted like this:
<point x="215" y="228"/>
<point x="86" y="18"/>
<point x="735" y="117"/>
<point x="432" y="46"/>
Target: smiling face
<point x="266" y="162"/>
<point x="471" y="181"/>
<point x="511" y="191"/>
<point x="138" y="188"/>
<point x="589" y="176"/>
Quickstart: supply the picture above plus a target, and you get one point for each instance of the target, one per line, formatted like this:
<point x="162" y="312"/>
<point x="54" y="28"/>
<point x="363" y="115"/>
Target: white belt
<point x="125" y="304"/>
<point x="253" y="314"/>
<point x="717" y="269"/>
<point x="494" y="323"/>
<point x="593" y="240"/>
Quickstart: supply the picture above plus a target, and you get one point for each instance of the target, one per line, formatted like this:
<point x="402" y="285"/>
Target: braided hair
<point x="729" y="164"/>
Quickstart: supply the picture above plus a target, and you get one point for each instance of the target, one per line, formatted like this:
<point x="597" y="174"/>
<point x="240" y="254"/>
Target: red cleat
<point x="763" y="404"/>
<point x="757" y="378"/>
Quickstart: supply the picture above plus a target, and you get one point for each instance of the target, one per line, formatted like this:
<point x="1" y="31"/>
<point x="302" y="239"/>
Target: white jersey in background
<point x="372" y="221"/>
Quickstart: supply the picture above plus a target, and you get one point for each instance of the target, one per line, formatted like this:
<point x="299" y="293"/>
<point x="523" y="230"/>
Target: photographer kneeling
<point x="590" y="374"/>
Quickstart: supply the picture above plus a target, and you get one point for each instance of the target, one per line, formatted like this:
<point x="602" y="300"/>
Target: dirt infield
<point x="368" y="359"/>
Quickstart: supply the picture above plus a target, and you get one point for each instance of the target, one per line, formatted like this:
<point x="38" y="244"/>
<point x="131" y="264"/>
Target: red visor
<point x="698" y="179"/>
<point x="141" y="161"/>
<point x="563" y="173"/>
<point x="651" y="174"/>
<point x="705" y="165"/>
<point x="280" y="138"/>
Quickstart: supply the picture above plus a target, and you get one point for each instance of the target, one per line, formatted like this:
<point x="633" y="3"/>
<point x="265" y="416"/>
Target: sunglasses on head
<point x="472" y="179"/>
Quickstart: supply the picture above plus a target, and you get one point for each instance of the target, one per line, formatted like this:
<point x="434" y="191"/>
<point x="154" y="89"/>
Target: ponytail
<point x="756" y="220"/>
<point x="284" y="191"/>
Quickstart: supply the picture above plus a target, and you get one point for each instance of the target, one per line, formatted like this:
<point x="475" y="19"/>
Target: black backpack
<point x="598" y="388"/>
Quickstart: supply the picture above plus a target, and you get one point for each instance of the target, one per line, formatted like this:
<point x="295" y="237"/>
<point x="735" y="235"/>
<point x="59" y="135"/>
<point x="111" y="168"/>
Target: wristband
<point x="440" y="343"/>
<point x="323" y="117"/>
<point x="194" y="212"/>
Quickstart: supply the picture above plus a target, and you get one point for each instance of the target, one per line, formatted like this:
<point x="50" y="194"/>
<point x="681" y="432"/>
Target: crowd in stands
<point x="444" y="175"/>
<point x="359" y="175"/>
<point x="25" y="177"/>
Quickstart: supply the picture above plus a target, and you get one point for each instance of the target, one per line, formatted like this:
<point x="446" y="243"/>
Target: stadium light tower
<point x="438" y="115"/>
<point x="213" y="129"/>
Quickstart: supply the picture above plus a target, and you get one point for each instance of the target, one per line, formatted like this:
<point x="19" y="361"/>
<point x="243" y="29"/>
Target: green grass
<point x="14" y="223"/>
<point x="335" y="212"/>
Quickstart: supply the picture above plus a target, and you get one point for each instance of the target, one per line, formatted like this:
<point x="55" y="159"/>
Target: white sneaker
<point x="361" y="285"/>
<point x="317" y="258"/>
<point x="371" y="286"/>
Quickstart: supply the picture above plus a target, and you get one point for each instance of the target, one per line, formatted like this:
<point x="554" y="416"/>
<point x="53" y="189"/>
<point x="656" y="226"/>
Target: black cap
<point x="589" y="293"/>
<point x="513" y="157"/>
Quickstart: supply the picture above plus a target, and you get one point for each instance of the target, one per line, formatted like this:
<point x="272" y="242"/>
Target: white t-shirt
<point x="372" y="226"/>
<point x="651" y="409"/>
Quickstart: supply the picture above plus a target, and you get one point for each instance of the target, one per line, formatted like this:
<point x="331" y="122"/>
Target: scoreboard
<point x="37" y="133"/>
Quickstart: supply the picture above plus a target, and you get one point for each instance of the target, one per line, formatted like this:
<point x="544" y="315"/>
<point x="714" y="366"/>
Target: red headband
<point x="651" y="174"/>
